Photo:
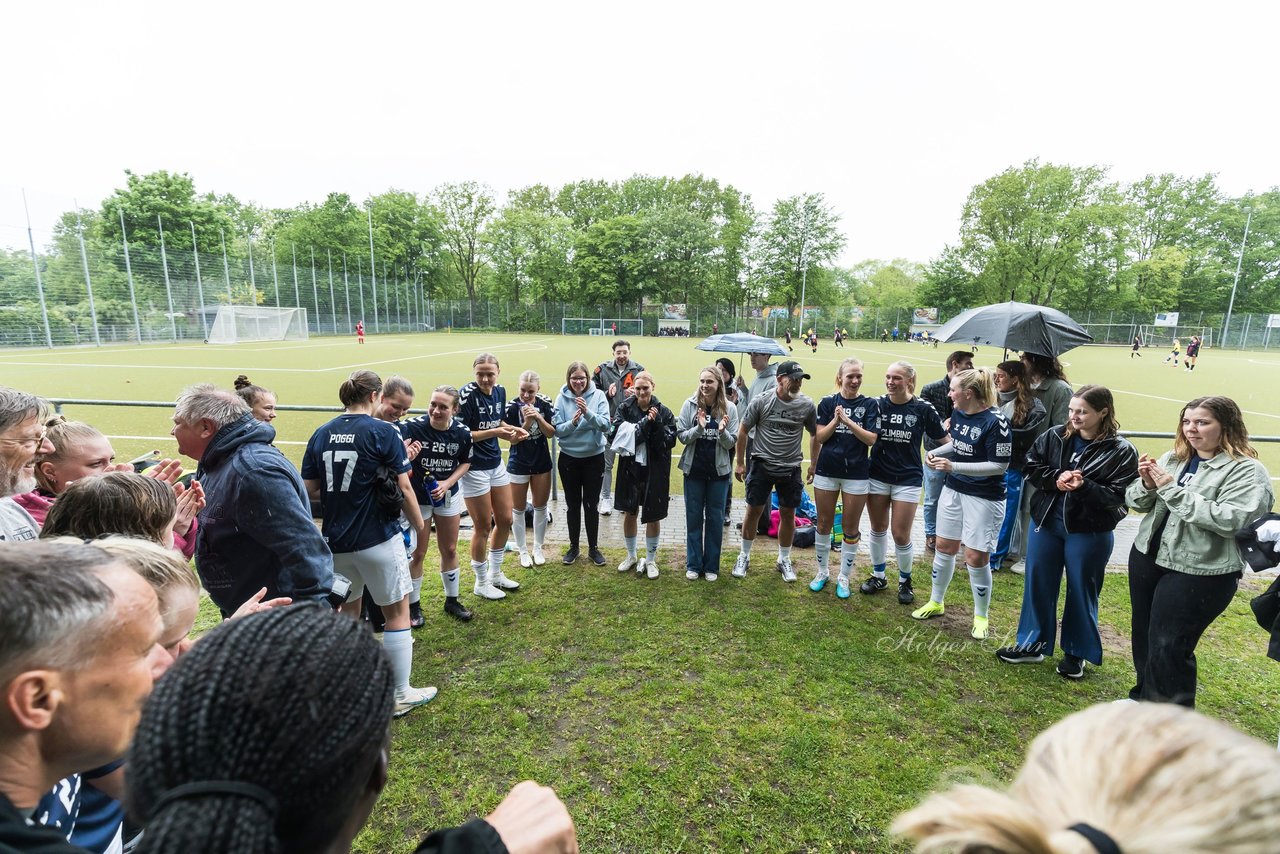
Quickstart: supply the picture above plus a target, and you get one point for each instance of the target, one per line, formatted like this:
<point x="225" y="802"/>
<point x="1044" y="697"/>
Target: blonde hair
<point x="162" y="568"/>
<point x="62" y="434"/>
<point x="721" y="405"/>
<point x="980" y="382"/>
<point x="1234" y="441"/>
<point x="909" y="370"/>
<point x="486" y="359"/>
<point x="645" y="375"/>
<point x="1154" y="777"/>
<point x="531" y="377"/>
<point x="850" y="362"/>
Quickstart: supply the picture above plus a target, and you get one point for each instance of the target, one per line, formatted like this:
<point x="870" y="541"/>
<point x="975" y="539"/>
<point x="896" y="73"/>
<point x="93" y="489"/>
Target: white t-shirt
<point x="16" y="524"/>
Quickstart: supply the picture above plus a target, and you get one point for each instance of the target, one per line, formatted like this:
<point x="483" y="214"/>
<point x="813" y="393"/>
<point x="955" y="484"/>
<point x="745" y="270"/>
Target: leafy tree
<point x="612" y="263"/>
<point x="466" y="208"/>
<point x="801" y="236"/>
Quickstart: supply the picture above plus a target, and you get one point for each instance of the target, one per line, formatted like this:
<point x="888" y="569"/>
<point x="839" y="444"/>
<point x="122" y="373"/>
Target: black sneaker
<point x="1018" y="655"/>
<point x="571" y="555"/>
<point x="1071" y="667"/>
<point x="457" y="610"/>
<point x="416" y="620"/>
<point x="874" y="584"/>
<point x="597" y="557"/>
<point x="905" y="594"/>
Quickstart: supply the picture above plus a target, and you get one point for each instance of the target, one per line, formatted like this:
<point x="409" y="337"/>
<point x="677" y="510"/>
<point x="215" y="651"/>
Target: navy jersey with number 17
<point x="895" y="457"/>
<point x="480" y="411"/>
<point x="983" y="437"/>
<point x="345" y="455"/>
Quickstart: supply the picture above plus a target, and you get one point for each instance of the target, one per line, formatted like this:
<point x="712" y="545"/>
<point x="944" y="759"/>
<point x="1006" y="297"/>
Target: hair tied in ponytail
<point x="216" y="787"/>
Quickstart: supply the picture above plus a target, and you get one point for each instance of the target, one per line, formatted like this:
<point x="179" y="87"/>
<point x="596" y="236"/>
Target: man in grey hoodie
<point x="615" y="379"/>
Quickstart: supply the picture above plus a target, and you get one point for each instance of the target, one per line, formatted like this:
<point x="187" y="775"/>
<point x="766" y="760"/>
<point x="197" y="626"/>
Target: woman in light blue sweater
<point x="582" y="428"/>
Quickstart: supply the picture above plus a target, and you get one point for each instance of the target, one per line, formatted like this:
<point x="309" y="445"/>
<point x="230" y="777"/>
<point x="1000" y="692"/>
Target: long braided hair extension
<point x="292" y="704"/>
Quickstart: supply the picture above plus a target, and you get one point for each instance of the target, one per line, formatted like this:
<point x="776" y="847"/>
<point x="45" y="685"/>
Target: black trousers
<point x="581" y="478"/>
<point x="1171" y="610"/>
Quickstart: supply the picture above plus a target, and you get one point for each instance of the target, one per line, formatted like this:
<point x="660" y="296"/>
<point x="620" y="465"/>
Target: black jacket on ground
<point x="256" y="528"/>
<point x="1108" y="467"/>
<point x="659" y="437"/>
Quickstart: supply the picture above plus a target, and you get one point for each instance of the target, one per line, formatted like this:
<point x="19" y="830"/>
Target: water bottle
<point x="432" y="486"/>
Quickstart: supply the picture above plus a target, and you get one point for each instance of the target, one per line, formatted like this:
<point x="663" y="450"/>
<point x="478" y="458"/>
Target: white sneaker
<point x="536" y="554"/>
<point x="691" y="575"/>
<point x="711" y="576"/>
<point x="499" y="580"/>
<point x="740" y="566"/>
<point x="630" y="563"/>
<point x="526" y="560"/>
<point x="485" y="590"/>
<point x="1019" y="568"/>
<point x="410" y="699"/>
<point x="788" y="571"/>
<point x="606" y="505"/>
<point x="651" y="568"/>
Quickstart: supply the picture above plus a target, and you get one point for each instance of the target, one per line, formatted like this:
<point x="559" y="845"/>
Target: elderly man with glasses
<point x="22" y="437"/>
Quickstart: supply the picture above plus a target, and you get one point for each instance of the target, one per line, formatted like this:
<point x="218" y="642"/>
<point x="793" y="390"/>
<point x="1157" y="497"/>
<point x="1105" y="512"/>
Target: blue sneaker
<point x="818" y="583"/>
<point x="842" y="587"/>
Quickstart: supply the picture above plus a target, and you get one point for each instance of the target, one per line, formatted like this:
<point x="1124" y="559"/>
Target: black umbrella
<point x="1016" y="326"/>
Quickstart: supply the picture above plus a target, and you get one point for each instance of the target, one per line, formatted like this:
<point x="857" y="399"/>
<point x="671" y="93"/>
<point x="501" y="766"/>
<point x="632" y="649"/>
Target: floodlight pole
<point x="1226" y="325"/>
<point x="128" y="272"/>
<point x="35" y="263"/>
<point x="88" y="281"/>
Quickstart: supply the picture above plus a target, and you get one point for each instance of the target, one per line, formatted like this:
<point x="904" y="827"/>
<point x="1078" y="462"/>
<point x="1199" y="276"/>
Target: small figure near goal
<point x="360" y="331"/>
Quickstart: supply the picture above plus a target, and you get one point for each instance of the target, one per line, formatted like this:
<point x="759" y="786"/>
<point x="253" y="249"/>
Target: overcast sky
<point x="894" y="113"/>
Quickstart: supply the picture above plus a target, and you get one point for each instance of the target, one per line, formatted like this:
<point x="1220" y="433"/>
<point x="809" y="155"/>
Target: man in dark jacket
<point x="937" y="394"/>
<point x="256" y="528"/>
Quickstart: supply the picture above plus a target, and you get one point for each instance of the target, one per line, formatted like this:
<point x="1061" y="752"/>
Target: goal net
<point x="1162" y="336"/>
<point x="601" y="326"/>
<point x="236" y="323"/>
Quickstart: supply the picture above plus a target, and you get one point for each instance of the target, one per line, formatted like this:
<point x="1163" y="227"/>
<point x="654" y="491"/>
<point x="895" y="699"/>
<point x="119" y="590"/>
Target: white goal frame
<point x="235" y="324"/>
<point x="1162" y="336"/>
<point x="601" y="326"/>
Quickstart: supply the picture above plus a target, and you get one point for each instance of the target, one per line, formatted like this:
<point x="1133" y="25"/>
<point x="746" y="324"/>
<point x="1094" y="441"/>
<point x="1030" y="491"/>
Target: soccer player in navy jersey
<point x="345" y="462"/>
<point x="971" y="506"/>
<point x="443" y="454"/>
<point x="485" y="486"/>
<point x="897" y="476"/>
<point x="848" y="425"/>
<point x="529" y="465"/>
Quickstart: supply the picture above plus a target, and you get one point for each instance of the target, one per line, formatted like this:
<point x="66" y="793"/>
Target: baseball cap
<point x="792" y="369"/>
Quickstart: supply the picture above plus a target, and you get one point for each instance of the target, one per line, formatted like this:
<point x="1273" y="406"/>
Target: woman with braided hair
<point x="271" y="736"/>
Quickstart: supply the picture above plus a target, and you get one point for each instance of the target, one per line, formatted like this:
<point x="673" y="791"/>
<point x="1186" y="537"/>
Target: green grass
<point x="686" y="716"/>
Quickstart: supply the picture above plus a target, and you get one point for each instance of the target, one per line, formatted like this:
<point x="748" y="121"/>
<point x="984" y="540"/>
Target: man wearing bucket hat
<point x="779" y="418"/>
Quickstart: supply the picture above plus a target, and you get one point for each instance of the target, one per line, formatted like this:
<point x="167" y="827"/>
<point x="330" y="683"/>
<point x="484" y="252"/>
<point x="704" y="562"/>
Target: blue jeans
<point x="1012" y="496"/>
<point x="704" y="523"/>
<point x="1084" y="558"/>
<point x="933" y="482"/>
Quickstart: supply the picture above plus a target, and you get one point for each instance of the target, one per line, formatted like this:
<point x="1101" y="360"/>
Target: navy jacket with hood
<point x="256" y="529"/>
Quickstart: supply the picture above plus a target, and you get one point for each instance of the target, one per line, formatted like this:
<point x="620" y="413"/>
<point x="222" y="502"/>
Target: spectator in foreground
<point x="256" y="529"/>
<point x="1117" y="778"/>
<point x="79" y="649"/>
<point x="21" y="439"/>
<point x="287" y="751"/>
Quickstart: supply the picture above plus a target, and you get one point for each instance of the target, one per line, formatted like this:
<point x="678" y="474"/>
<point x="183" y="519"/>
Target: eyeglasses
<point x="35" y="442"/>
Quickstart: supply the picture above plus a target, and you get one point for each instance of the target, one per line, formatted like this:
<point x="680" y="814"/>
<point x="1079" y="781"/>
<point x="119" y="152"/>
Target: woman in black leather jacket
<point x="1080" y="471"/>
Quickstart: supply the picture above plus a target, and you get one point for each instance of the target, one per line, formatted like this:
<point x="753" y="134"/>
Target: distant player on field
<point x="360" y="331"/>
<point x="1137" y="346"/>
<point x="1193" y="352"/>
<point x="1177" y="348"/>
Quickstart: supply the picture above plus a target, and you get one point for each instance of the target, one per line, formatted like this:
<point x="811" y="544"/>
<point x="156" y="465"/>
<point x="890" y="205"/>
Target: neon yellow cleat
<point x="979" y="631"/>
<point x="928" y="611"/>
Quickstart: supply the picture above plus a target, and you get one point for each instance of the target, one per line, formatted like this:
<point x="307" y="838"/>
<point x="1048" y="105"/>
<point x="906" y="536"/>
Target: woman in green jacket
<point x="1184" y="567"/>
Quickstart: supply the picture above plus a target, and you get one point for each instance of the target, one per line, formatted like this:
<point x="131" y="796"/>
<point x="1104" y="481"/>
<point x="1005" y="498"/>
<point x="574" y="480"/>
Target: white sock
<point x="879" y="544"/>
<point x="784" y="552"/>
<point x="651" y="548"/>
<point x="746" y="547"/>
<point x="539" y="526"/>
<point x="822" y="545"/>
<point x="415" y="595"/>
<point x="944" y="566"/>
<point x="848" y="551"/>
<point x="904" y="555"/>
<point x="980" y="581"/>
<point x="399" y="646"/>
<point x="518" y="531"/>
<point x="631" y="546"/>
<point x="495" y="562"/>
<point x="481" y="569"/>
<point x="449" y="578"/>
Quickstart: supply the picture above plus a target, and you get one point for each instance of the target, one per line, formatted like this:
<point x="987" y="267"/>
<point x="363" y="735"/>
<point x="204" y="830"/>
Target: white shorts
<point x="523" y="478"/>
<point x="971" y="520"/>
<point x="477" y="483"/>
<point x="452" y="506"/>
<point x="383" y="568"/>
<point x="895" y="491"/>
<point x="843" y="485"/>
